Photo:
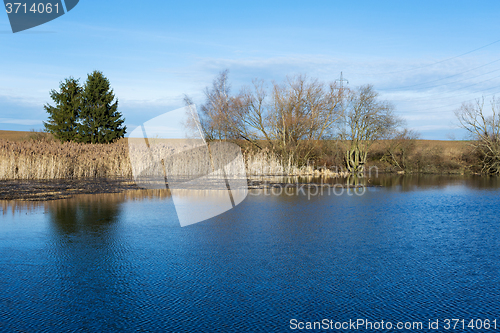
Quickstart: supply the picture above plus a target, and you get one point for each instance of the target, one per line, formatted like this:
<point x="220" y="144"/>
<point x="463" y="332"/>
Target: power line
<point x="429" y="97"/>
<point x="438" y="62"/>
<point x="465" y="78"/>
<point x="428" y="110"/>
<point x="416" y="112"/>
<point x="444" y="78"/>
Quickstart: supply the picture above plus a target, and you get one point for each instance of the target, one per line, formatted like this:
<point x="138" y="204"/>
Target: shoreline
<point x="47" y="190"/>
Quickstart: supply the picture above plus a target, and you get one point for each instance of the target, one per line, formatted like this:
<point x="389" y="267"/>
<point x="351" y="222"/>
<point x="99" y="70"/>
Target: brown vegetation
<point x="286" y="116"/>
<point x="484" y="130"/>
<point x="49" y="159"/>
<point x="367" y="120"/>
<point x="424" y="156"/>
<point x="15" y="135"/>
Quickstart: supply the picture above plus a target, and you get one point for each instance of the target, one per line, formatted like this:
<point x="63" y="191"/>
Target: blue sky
<point x="415" y="53"/>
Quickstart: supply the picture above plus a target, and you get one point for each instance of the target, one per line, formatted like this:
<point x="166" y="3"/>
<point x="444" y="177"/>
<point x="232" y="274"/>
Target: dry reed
<point x="268" y="163"/>
<point x="53" y="160"/>
<point x="46" y="159"/>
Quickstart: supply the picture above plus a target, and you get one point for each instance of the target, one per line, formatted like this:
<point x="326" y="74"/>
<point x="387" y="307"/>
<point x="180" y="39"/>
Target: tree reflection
<point x="413" y="181"/>
<point x="86" y="213"/>
<point x="93" y="212"/>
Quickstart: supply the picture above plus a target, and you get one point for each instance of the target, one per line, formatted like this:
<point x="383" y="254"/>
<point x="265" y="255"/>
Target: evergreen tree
<point x="63" y="117"/>
<point x="100" y="121"/>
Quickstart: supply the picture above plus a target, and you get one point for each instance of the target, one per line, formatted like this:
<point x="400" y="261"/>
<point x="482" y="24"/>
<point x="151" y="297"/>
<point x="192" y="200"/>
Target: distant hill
<point x="15" y="135"/>
<point x="25" y="135"/>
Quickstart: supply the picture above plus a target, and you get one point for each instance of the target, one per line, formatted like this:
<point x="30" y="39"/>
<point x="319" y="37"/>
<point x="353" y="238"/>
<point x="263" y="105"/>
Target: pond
<point x="417" y="250"/>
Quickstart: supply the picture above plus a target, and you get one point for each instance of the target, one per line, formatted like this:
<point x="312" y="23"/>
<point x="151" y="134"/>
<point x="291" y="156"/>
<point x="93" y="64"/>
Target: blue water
<point x="109" y="263"/>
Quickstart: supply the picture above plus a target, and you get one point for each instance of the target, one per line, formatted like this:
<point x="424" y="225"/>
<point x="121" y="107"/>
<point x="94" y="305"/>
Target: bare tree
<point x="285" y="117"/>
<point x="366" y="120"/>
<point x="484" y="131"/>
<point x="297" y="112"/>
<point x="216" y="109"/>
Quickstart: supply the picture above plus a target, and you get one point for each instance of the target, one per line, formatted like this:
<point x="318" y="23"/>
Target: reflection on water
<point x="391" y="181"/>
<point x="84" y="215"/>
<point x="402" y="182"/>
<point x="412" y="182"/>
<point x="419" y="248"/>
<point x="71" y="204"/>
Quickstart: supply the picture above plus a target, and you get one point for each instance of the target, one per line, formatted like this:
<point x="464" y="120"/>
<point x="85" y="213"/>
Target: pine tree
<point x="63" y="117"/>
<point x="100" y="121"/>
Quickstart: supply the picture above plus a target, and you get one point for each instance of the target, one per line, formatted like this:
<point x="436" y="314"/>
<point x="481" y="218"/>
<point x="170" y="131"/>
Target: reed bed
<point x="46" y="159"/>
<point x="185" y="159"/>
<point x="268" y="163"/>
<point x="53" y="160"/>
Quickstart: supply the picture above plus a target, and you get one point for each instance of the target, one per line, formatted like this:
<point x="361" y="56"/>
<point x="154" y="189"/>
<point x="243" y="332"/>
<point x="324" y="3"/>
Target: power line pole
<point x="341" y="93"/>
<point x="341" y="80"/>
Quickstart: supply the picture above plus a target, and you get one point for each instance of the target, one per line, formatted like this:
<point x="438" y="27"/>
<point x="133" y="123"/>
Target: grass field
<point x="14" y="135"/>
<point x="431" y="156"/>
<point x="452" y="147"/>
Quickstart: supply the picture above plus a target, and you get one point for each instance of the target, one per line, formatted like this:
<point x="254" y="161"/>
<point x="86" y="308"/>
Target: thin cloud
<point x="27" y="122"/>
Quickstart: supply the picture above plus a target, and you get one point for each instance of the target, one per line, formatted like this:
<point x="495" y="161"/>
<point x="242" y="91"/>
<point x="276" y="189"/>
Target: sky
<point x="426" y="57"/>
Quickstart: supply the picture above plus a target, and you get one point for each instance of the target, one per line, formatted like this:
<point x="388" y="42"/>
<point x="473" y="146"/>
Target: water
<point x="416" y="250"/>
